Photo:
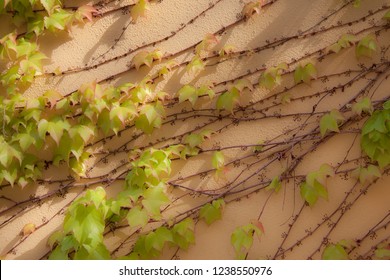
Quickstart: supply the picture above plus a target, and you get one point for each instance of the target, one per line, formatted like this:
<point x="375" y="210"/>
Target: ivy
<point x="345" y="41"/>
<point x="383" y="251"/>
<point x="375" y="136"/>
<point x="305" y="73"/>
<point x="330" y="122"/>
<point x="242" y="238"/>
<point x="212" y="211"/>
<point x="314" y="185"/>
<point x="366" y="47"/>
<point x="140" y="9"/>
<point x="363" y="106"/>
<point x="272" y="76"/>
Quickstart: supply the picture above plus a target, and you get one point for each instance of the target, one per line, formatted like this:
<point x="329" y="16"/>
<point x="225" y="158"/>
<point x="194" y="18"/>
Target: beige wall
<point x="283" y="18"/>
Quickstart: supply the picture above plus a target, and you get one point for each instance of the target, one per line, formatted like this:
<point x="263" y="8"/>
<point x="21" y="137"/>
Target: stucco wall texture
<point x="292" y="230"/>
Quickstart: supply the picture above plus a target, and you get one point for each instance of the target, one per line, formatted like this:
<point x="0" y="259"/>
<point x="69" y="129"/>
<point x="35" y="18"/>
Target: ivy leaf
<point x="218" y="160"/>
<point x="242" y="239"/>
<point x="272" y="76"/>
<point x="314" y="186"/>
<point x="356" y="3"/>
<point x="206" y="89"/>
<point x="49" y="5"/>
<point x="142" y="58"/>
<point x="251" y="9"/>
<point x="28" y="229"/>
<point x="139" y="10"/>
<point x="195" y="139"/>
<point x="137" y="216"/>
<point x="58" y="254"/>
<point x="183" y="233"/>
<point x="330" y="122"/>
<point x="189" y="93"/>
<point x="335" y="252"/>
<point x="367" y="174"/>
<point x="195" y="66"/>
<point x="387" y="15"/>
<point x="207" y="44"/>
<point x="286" y="98"/>
<point x="157" y="239"/>
<point x="275" y="185"/>
<point x="363" y="105"/>
<point x="154" y="199"/>
<point x="383" y="251"/>
<point x="211" y="212"/>
<point x="60" y="19"/>
<point x="346" y="41"/>
<point x="167" y="68"/>
<point x="86" y="223"/>
<point x="228" y="99"/>
<point x="366" y="47"/>
<point x="86" y="11"/>
<point x="227" y="50"/>
<point x="304" y="73"/>
<point x="242" y="84"/>
<point x="123" y="113"/>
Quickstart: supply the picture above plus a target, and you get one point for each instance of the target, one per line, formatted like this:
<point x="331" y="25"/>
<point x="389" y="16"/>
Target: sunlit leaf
<point x="335" y="252"/>
<point x="137" y="216"/>
<point x="252" y="8"/>
<point x="28" y="229"/>
<point x="154" y="199"/>
<point x="139" y="10"/>
<point x="189" y="93"/>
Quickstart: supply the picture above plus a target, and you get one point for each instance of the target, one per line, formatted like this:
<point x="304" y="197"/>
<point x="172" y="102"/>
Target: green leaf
<point x="368" y="174"/>
<point x="363" y="105"/>
<point x="383" y="251"/>
<point x="346" y="41"/>
<point x="58" y="20"/>
<point x="49" y="5"/>
<point x="304" y="73"/>
<point x="243" y="84"/>
<point x="183" y="233"/>
<point x="86" y="223"/>
<point x="218" y="160"/>
<point x="366" y="47"/>
<point x="154" y="199"/>
<point x="228" y="99"/>
<point x="335" y="252"/>
<point x="376" y="136"/>
<point x="158" y="238"/>
<point x="58" y="254"/>
<point x="309" y="193"/>
<point x="242" y="239"/>
<point x="330" y="122"/>
<point x="137" y="216"/>
<point x="189" y="93"/>
<point x="272" y="76"/>
<point x="387" y="15"/>
<point x="275" y="185"/>
<point x="356" y="3"/>
<point x="195" y="66"/>
<point x="211" y="212"/>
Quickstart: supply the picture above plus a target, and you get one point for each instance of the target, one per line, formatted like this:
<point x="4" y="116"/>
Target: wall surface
<point x="285" y="31"/>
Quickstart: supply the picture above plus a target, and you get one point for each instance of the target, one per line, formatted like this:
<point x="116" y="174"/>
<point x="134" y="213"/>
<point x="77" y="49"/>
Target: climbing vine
<point x="79" y="131"/>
